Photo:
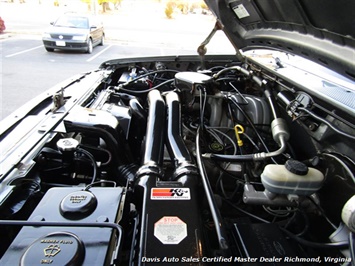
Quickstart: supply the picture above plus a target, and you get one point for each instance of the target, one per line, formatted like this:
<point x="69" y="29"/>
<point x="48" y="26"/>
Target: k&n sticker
<point x="170" y="194"/>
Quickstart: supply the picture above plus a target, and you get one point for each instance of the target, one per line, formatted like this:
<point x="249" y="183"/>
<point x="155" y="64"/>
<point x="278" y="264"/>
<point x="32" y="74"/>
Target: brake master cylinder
<point x="292" y="178"/>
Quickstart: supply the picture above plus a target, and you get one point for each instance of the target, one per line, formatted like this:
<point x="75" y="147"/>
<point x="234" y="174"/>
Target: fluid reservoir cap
<point x="296" y="167"/>
<point x="78" y="205"/>
<point x="58" y="248"/>
<point x="67" y="144"/>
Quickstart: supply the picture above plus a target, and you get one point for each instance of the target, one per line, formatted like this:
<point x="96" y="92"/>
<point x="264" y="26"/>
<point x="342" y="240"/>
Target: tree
<point x="104" y="3"/>
<point x="88" y="2"/>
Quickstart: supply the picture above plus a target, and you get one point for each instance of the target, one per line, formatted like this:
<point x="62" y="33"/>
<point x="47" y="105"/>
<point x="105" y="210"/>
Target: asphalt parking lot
<point x="28" y="70"/>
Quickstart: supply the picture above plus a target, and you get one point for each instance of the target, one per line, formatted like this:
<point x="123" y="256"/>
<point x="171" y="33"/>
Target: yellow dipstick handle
<point x="239" y="130"/>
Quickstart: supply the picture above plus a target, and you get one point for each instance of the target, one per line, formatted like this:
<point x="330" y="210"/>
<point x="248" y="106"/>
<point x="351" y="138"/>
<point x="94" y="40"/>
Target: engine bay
<point x="169" y="163"/>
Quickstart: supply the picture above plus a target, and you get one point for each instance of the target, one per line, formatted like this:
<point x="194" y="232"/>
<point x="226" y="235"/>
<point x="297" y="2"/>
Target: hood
<point x="67" y="30"/>
<point x="320" y="30"/>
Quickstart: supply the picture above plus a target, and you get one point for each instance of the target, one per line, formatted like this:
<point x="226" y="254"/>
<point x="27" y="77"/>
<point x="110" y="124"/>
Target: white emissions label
<point x="170" y="230"/>
<point x="241" y="11"/>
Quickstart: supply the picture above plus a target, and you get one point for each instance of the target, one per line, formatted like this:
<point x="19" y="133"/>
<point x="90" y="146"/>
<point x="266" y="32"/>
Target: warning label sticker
<point x="170" y="230"/>
<point x="241" y="11"/>
<point x="170" y="194"/>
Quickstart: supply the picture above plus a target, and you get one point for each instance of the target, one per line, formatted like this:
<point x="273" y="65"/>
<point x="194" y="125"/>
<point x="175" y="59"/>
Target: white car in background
<point x="74" y="32"/>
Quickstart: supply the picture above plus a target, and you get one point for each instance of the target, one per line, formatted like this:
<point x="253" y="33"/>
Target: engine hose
<point x="248" y="157"/>
<point x="93" y="163"/>
<point x="280" y="134"/>
<point x="270" y="98"/>
<point x="235" y="102"/>
<point x="148" y="74"/>
<point x="238" y="68"/>
<point x="242" y="70"/>
<point x="335" y="129"/>
<point x="229" y="158"/>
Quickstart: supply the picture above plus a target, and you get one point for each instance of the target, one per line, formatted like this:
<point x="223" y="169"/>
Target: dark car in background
<point x="74" y="32"/>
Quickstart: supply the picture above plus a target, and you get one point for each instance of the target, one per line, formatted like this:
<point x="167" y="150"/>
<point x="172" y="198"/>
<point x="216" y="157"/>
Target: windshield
<point x="72" y="22"/>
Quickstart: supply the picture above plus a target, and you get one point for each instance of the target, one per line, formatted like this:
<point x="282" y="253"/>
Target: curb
<point x="5" y="35"/>
<point x="10" y="34"/>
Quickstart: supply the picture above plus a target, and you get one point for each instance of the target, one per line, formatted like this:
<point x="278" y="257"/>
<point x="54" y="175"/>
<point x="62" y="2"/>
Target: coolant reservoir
<point x="293" y="177"/>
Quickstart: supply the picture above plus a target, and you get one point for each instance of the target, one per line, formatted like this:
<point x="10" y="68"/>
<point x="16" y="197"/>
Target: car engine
<point x="168" y="162"/>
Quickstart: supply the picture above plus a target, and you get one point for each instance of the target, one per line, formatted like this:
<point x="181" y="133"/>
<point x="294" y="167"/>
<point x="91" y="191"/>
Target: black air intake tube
<point x="154" y="139"/>
<point x="178" y="152"/>
<point x="185" y="170"/>
<point x="163" y="202"/>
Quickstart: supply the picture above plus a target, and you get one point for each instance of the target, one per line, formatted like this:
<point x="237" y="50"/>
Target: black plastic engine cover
<point x="171" y="224"/>
<point x="264" y="242"/>
<point x="68" y="245"/>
